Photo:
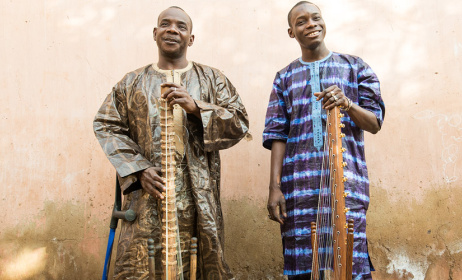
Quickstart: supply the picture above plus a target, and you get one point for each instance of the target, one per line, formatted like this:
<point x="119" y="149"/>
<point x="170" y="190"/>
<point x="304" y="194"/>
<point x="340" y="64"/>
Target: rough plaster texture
<point x="60" y="58"/>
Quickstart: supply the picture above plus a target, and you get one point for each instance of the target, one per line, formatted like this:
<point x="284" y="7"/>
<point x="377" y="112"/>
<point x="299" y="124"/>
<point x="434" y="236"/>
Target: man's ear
<point x="191" y="41"/>
<point x="291" y="33"/>
<point x="154" y="33"/>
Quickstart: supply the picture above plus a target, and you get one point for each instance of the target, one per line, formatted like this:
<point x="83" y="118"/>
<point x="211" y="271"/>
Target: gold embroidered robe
<point x="127" y="127"/>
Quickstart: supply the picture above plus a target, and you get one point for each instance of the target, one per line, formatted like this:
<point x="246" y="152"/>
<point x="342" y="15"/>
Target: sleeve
<point x="369" y="92"/>
<point x="111" y="127"/>
<point x="277" y="122"/>
<point x="224" y="122"/>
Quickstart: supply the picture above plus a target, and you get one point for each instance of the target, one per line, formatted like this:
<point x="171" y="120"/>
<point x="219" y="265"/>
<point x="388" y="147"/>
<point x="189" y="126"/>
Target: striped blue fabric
<point x="289" y="118"/>
<point x="316" y="107"/>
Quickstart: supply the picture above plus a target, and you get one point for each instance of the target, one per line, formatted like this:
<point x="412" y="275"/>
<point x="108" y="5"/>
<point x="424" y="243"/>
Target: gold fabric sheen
<point x="174" y="76"/>
<point x="127" y="127"/>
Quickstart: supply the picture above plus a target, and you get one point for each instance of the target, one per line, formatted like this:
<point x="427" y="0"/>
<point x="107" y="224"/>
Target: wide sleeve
<point x="111" y="127"/>
<point x="369" y="92"/>
<point x="277" y="122"/>
<point x="225" y="121"/>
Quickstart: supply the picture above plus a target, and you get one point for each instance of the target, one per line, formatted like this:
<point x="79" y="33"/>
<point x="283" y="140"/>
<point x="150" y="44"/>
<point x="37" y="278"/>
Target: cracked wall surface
<point x="418" y="239"/>
<point x="61" y="58"/>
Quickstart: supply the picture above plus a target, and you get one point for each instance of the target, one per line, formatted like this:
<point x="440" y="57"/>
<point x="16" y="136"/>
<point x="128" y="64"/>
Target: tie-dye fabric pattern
<point x="289" y="119"/>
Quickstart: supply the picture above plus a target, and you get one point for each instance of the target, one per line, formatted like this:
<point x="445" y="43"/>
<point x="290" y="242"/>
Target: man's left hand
<point x="177" y="94"/>
<point x="331" y="97"/>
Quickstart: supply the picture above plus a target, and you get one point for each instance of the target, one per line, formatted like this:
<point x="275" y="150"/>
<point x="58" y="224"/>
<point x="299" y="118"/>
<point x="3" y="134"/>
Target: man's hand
<point x="276" y="205"/>
<point x="177" y="94"/>
<point x="331" y="97"/>
<point x="364" y="119"/>
<point x="151" y="182"/>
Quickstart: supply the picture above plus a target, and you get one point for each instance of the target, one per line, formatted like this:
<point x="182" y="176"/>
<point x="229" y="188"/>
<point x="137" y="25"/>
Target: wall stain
<point x="74" y="245"/>
<point x="420" y="239"/>
<point x="416" y="239"/>
<point x="253" y="247"/>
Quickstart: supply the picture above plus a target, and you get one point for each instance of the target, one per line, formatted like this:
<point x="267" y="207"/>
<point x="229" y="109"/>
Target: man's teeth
<point x="313" y="33"/>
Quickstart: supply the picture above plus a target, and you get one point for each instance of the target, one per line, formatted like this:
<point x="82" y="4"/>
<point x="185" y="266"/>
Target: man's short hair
<point x="289" y="15"/>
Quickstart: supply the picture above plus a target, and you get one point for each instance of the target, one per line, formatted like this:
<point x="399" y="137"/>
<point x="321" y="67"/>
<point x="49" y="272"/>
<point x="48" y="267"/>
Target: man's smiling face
<point x="307" y="26"/>
<point x="173" y="33"/>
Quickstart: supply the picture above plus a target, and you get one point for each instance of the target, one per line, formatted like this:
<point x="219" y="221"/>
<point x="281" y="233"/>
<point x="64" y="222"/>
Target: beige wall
<point x="60" y="59"/>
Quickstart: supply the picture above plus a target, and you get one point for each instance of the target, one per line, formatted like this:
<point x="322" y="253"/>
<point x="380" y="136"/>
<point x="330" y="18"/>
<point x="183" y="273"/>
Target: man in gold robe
<point x="209" y="116"/>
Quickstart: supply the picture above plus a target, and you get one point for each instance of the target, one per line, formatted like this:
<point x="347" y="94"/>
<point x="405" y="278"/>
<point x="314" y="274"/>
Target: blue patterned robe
<point x="289" y="118"/>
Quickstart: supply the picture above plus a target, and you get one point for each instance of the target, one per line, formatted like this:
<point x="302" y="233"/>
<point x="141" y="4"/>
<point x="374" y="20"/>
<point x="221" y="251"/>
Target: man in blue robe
<point x="294" y="132"/>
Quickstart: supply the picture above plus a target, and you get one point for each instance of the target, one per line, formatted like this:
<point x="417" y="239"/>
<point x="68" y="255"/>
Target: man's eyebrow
<point x="169" y="19"/>
<point x="300" y="17"/>
<point x="310" y="15"/>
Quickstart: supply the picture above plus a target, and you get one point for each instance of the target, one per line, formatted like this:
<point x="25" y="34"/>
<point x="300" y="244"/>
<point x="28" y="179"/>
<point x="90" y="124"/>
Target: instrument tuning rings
<point x="342" y="135"/>
<point x="340" y="115"/>
<point x="343" y="150"/>
<point x="344" y="179"/>
<point x="342" y="125"/>
<point x="346" y="210"/>
<point x="344" y="164"/>
<point x="345" y="194"/>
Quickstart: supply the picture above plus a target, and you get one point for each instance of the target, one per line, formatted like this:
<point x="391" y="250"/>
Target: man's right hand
<point x="276" y="205"/>
<point x="151" y="182"/>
